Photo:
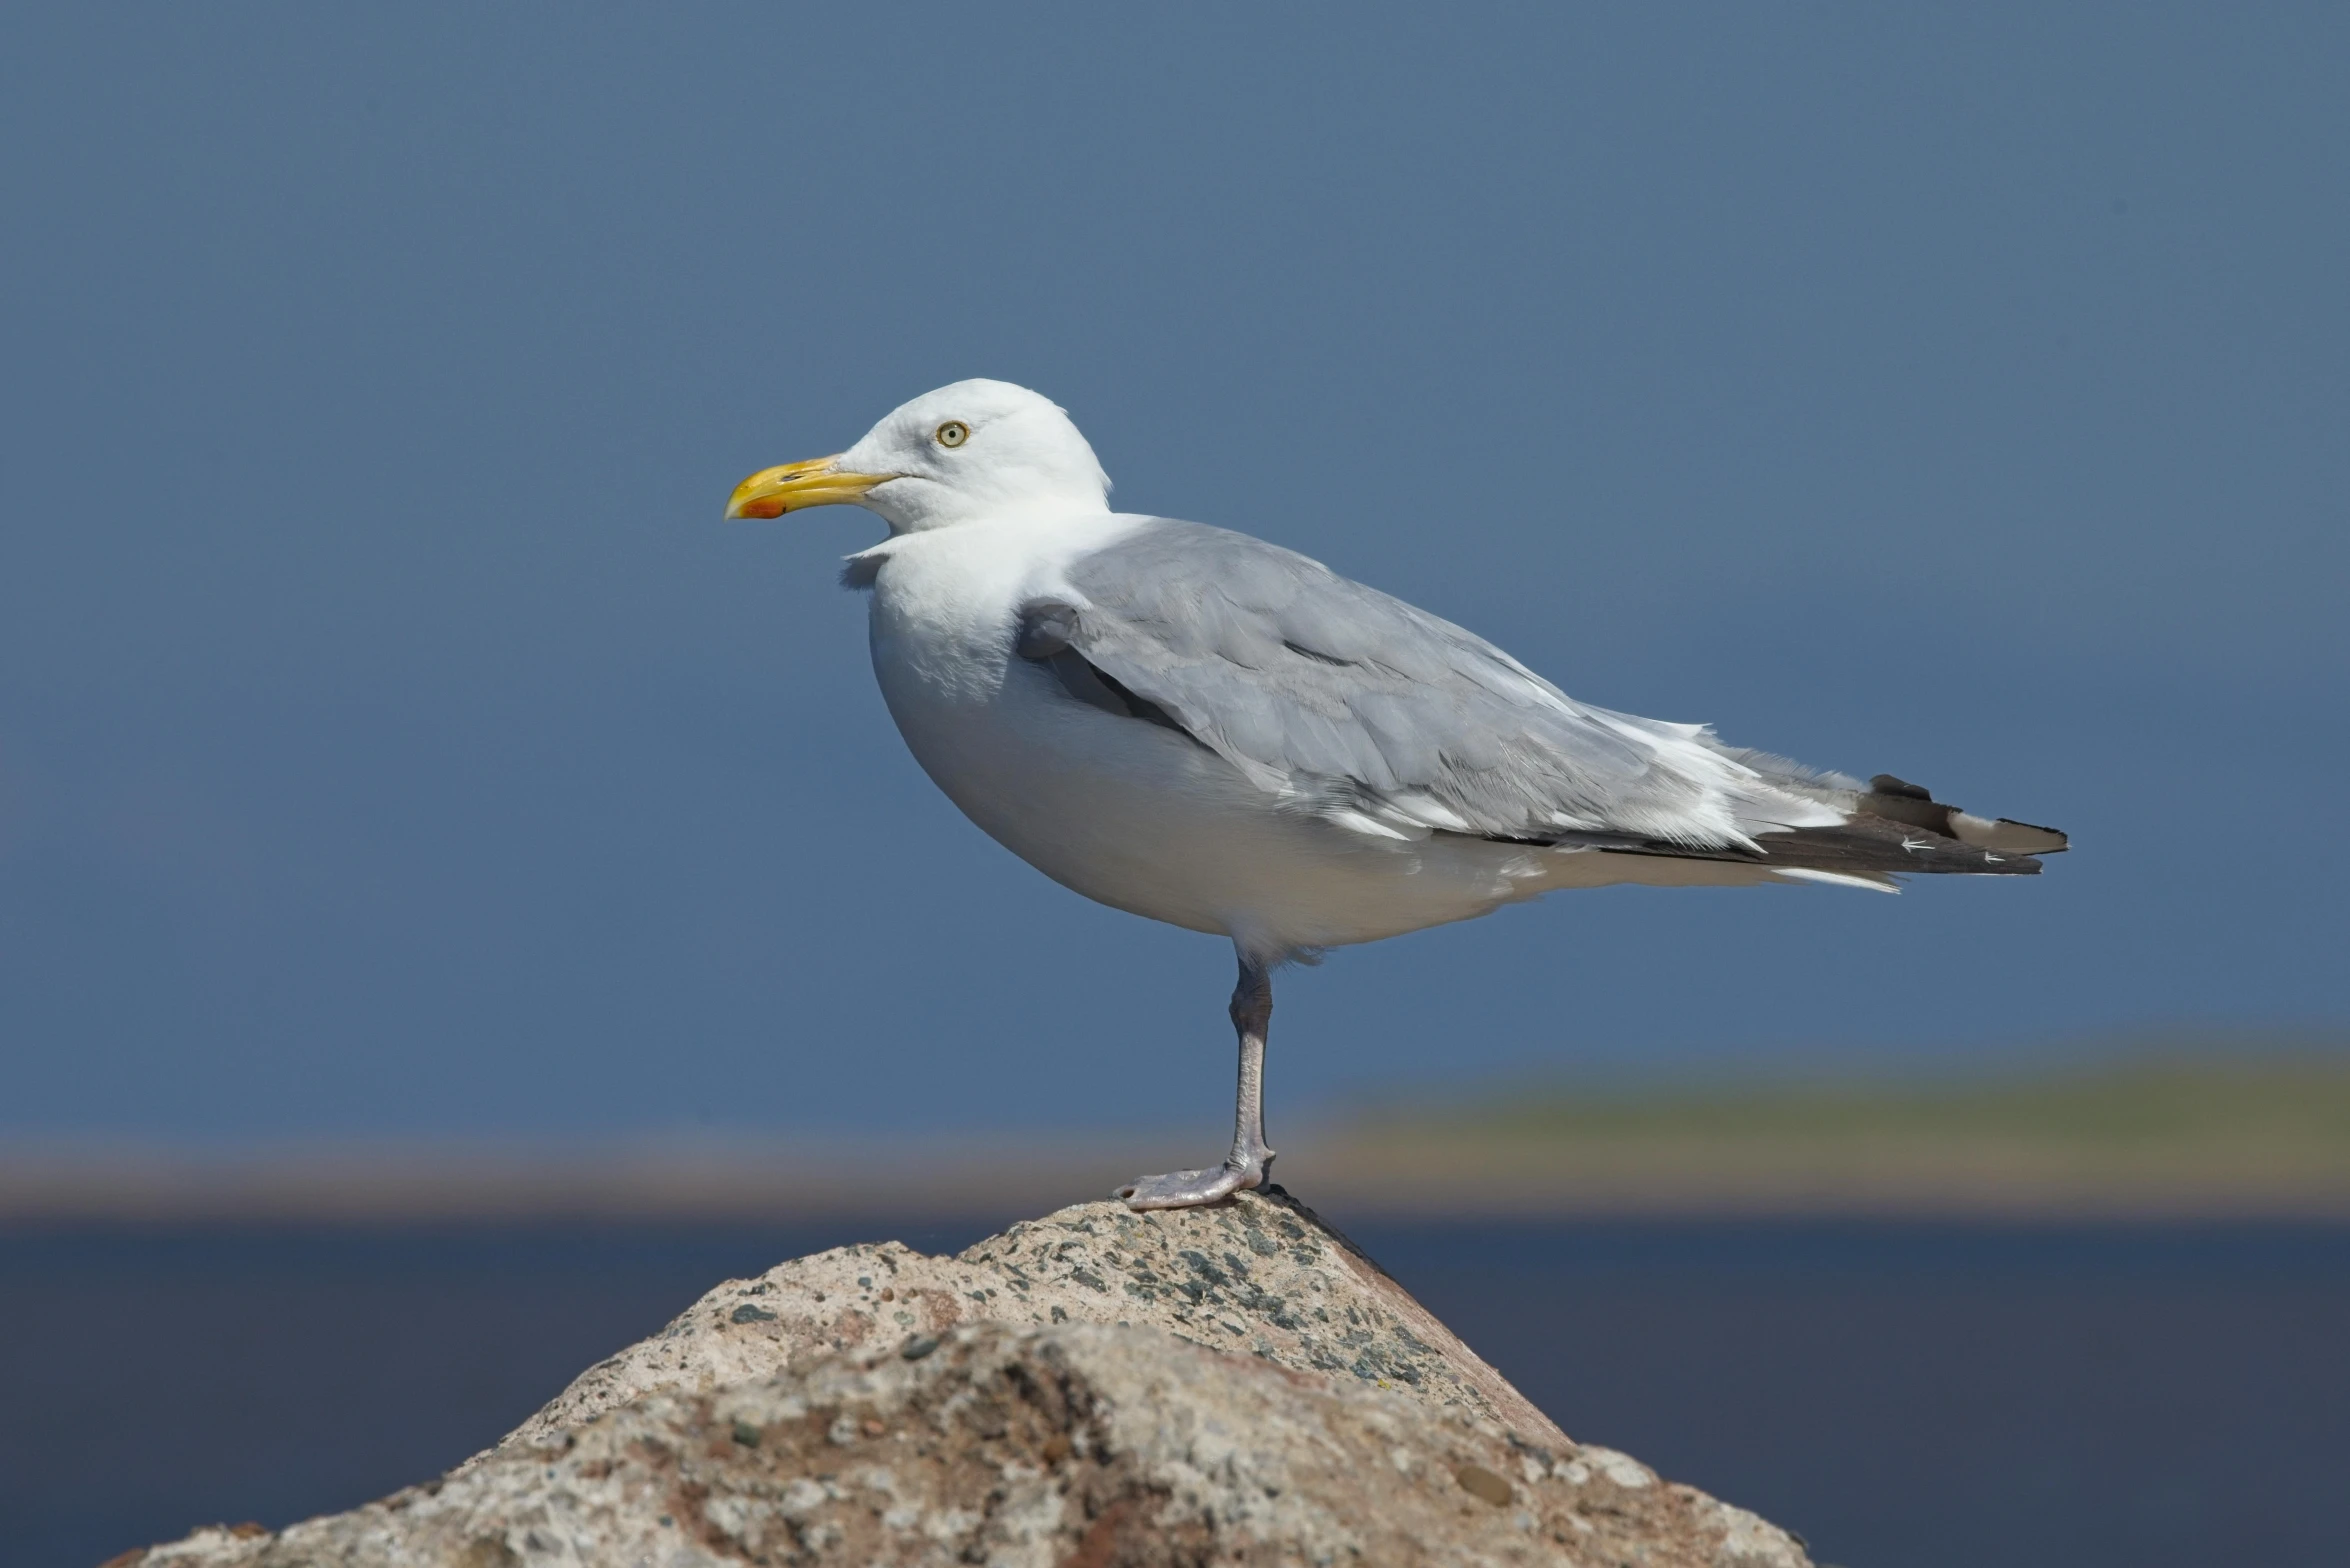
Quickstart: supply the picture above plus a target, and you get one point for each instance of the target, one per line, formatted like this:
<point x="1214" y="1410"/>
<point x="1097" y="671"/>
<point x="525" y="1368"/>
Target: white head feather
<point x="976" y="449"/>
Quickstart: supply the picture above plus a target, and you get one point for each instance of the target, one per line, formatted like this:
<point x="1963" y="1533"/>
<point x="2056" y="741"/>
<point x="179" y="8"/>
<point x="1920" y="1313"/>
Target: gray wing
<point x="1351" y="704"/>
<point x="1354" y="704"/>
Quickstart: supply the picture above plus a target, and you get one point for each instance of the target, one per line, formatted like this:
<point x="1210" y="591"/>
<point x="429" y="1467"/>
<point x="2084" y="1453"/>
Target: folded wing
<point x="1352" y="705"/>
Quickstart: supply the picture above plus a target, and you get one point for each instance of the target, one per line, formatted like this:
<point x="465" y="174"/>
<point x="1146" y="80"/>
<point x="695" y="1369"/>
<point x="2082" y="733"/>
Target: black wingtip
<point x="1893" y="799"/>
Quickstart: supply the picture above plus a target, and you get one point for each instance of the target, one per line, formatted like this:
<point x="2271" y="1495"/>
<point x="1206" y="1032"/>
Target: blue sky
<point x="392" y="740"/>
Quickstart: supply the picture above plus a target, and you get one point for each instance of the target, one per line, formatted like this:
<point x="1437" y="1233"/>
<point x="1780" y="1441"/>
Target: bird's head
<point x="970" y="450"/>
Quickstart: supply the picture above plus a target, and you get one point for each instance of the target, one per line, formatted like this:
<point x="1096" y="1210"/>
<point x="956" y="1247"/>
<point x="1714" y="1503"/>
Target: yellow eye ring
<point x="953" y="433"/>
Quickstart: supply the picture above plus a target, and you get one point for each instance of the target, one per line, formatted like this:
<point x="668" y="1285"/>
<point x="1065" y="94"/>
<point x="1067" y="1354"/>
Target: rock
<point x="1262" y="1274"/>
<point x="1082" y="1444"/>
<point x="1236" y="1384"/>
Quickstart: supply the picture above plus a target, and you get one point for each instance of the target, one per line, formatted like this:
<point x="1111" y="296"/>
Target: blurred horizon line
<point x="2217" y="1134"/>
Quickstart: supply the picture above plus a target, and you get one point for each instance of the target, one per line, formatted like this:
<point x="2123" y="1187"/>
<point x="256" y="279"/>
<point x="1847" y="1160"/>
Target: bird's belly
<point x="1144" y="819"/>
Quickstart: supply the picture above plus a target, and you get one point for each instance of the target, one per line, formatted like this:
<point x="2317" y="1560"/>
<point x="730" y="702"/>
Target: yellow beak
<point x="771" y="492"/>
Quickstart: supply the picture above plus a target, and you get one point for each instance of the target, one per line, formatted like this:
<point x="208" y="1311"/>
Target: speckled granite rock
<point x="1260" y="1274"/>
<point x="1096" y="1389"/>
<point x="1080" y="1446"/>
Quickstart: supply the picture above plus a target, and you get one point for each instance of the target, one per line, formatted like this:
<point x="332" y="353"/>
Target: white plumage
<point x="1208" y="730"/>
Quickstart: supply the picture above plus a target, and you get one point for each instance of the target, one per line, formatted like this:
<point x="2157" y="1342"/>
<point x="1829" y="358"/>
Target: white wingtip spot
<point x="1362" y="824"/>
<point x="1833" y="879"/>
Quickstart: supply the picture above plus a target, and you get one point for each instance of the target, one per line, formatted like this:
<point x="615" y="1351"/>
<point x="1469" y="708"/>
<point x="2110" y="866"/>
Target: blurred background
<point x="443" y="870"/>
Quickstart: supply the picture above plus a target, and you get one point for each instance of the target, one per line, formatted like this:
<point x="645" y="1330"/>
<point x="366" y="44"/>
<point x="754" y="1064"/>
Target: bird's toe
<point x="1186" y="1189"/>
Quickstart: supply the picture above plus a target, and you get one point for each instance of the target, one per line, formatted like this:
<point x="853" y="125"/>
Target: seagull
<point x="1197" y="726"/>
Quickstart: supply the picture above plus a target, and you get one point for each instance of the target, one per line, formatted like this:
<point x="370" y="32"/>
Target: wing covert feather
<point x="1351" y="702"/>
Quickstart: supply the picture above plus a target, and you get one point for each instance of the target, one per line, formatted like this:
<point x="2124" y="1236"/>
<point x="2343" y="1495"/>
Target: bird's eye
<point x="953" y="433"/>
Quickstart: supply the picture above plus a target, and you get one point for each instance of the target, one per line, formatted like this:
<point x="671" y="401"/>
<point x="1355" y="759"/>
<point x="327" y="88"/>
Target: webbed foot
<point x="1189" y="1189"/>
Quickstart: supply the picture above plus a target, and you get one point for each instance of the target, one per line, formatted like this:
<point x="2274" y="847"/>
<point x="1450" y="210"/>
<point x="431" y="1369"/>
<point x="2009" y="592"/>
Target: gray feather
<point x="1308" y="681"/>
<point x="1348" y="700"/>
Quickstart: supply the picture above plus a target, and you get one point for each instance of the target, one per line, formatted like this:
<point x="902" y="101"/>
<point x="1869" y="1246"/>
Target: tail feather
<point x="1890" y="828"/>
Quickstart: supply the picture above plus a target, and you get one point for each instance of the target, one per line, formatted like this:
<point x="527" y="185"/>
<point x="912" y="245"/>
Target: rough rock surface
<point x="1228" y="1385"/>
<point x="1261" y="1274"/>
<point x="1080" y="1446"/>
